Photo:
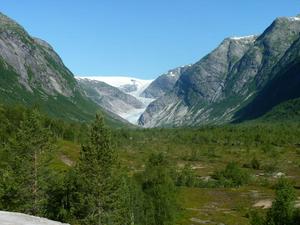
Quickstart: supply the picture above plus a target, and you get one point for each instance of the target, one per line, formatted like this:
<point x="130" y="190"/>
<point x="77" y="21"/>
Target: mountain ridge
<point x="32" y="73"/>
<point x="213" y="89"/>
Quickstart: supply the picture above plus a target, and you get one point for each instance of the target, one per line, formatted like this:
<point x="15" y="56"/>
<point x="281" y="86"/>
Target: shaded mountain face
<point x="212" y="90"/>
<point x="31" y="73"/>
<point x="200" y="83"/>
<point x="283" y="86"/>
<point x="164" y="83"/>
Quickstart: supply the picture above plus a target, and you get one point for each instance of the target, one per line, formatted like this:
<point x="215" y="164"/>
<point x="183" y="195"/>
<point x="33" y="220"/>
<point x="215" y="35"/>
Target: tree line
<point x="97" y="190"/>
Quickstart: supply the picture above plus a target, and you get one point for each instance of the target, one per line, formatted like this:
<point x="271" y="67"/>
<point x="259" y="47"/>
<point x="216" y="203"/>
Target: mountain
<point x="283" y="86"/>
<point x="201" y="81"/>
<point x="111" y="98"/>
<point x="164" y="83"/>
<point x="131" y="85"/>
<point x="32" y="74"/>
<point x="220" y="87"/>
<point x="120" y="95"/>
<point x="284" y="111"/>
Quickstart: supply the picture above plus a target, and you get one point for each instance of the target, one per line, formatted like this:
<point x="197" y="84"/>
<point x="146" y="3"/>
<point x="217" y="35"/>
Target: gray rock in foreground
<point x="12" y="218"/>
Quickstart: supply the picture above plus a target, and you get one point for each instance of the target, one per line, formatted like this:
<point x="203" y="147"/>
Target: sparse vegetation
<point x="224" y="169"/>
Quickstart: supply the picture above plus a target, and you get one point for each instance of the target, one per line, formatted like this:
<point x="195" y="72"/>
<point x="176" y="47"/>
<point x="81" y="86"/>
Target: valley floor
<point x="210" y="150"/>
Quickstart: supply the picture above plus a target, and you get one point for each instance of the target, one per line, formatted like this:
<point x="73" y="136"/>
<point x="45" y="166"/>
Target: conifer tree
<point x="30" y="148"/>
<point x="283" y="209"/>
<point x="100" y="190"/>
<point x="160" y="193"/>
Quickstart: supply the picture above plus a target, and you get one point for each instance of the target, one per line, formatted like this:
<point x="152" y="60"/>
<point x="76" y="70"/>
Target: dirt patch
<point x="196" y="220"/>
<point x="198" y="167"/>
<point x="66" y="160"/>
<point x="297" y="203"/>
<point x="265" y="204"/>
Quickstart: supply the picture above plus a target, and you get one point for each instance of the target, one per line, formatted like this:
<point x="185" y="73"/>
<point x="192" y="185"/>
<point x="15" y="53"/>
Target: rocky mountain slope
<point x="111" y="98"/>
<point x="31" y="73"/>
<point x="283" y="86"/>
<point x="217" y="88"/>
<point x="120" y="95"/>
<point x="164" y="83"/>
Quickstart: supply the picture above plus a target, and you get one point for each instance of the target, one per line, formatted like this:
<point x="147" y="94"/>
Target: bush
<point x="256" y="218"/>
<point x="255" y="164"/>
<point x="232" y="176"/>
<point x="193" y="155"/>
<point x="271" y="168"/>
<point x="283" y="210"/>
<point x="187" y="177"/>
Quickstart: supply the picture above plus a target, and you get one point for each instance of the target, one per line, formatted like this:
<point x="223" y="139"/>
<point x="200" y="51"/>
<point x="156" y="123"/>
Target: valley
<point x="214" y="142"/>
<point x="200" y="197"/>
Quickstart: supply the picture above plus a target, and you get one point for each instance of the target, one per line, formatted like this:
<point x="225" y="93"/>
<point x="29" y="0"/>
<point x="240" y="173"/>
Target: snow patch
<point x="12" y="218"/>
<point x="294" y="18"/>
<point x="243" y="37"/>
<point x="118" y="81"/>
<point x="171" y="74"/>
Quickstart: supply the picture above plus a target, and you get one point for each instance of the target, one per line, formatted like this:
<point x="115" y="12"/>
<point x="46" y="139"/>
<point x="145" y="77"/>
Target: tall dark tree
<point x="159" y="192"/>
<point x="28" y="151"/>
<point x="99" y="192"/>
<point x="283" y="209"/>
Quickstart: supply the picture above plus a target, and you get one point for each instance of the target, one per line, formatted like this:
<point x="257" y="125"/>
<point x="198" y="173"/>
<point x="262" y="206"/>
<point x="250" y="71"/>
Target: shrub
<point x="187" y="177"/>
<point x="283" y="210"/>
<point x="271" y="168"/>
<point x="232" y="176"/>
<point x="255" y="164"/>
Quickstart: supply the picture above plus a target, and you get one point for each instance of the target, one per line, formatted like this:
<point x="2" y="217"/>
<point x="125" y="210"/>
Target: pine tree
<point x="99" y="189"/>
<point x="160" y="203"/>
<point x="282" y="211"/>
<point x="30" y="148"/>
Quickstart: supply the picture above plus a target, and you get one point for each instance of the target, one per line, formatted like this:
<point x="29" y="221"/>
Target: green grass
<point x="208" y="150"/>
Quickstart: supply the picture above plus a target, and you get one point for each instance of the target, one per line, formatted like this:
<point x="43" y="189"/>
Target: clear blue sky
<point x="141" y="38"/>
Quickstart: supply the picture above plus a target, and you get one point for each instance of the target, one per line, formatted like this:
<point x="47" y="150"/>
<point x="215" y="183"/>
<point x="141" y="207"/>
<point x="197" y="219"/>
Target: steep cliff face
<point x="31" y="73"/>
<point x="164" y="83"/>
<point x="212" y="90"/>
<point x="283" y="86"/>
<point x="34" y="60"/>
<point x="254" y="69"/>
<point x="201" y="83"/>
